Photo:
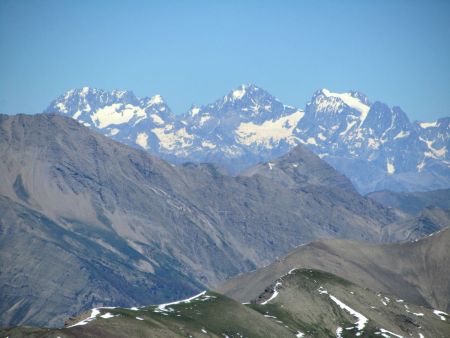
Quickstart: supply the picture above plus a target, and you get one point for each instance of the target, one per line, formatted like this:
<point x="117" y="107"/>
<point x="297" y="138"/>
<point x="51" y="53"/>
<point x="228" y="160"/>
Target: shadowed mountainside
<point x="117" y="226"/>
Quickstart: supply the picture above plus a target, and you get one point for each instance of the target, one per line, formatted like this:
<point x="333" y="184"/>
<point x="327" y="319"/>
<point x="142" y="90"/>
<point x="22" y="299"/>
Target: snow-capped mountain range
<point x="375" y="145"/>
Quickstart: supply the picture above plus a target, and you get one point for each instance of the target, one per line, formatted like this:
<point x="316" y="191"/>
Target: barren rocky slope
<point x="87" y="221"/>
<point x="418" y="272"/>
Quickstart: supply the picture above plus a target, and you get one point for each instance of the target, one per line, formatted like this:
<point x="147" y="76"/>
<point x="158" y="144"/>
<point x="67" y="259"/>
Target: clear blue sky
<point x="196" y="51"/>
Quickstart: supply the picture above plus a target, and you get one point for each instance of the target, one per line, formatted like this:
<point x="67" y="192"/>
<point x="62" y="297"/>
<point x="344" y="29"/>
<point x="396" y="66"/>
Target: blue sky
<point x="190" y="52"/>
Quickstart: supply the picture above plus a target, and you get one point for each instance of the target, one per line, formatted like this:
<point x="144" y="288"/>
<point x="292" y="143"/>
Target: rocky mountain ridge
<point x="303" y="302"/>
<point x="375" y="145"/>
<point x="415" y="271"/>
<point x="139" y="230"/>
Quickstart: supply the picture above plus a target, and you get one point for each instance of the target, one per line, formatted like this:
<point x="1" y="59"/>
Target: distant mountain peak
<point x="239" y="93"/>
<point x="249" y="125"/>
<point x="156" y="100"/>
<point x="194" y="110"/>
<point x="327" y="101"/>
<point x="246" y="91"/>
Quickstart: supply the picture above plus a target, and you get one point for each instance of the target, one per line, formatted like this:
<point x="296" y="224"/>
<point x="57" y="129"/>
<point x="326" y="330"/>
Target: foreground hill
<point x="87" y="221"/>
<point x="303" y="303"/>
<point x="375" y="145"/>
<point x="417" y="272"/>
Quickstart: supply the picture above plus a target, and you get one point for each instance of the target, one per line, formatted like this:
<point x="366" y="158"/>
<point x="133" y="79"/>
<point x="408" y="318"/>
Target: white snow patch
<point x="362" y="320"/>
<point x="270" y="165"/>
<point x="139" y="318"/>
<point x="374" y="144"/>
<point x="238" y="93"/>
<point x="194" y="111"/>
<point x="142" y="140"/>
<point x="114" y="131"/>
<point x="350" y="101"/>
<point x="440" y="152"/>
<point x="421" y="165"/>
<point x="339" y="332"/>
<point x="435" y="153"/>
<point x="62" y="107"/>
<point x="440" y="314"/>
<point x="94" y="314"/>
<point x="311" y="140"/>
<point x="118" y="93"/>
<point x="389" y="333"/>
<point x="269" y="316"/>
<point x="169" y="139"/>
<point x="426" y="125"/>
<point x="417" y="314"/>
<point x="322" y="291"/>
<point x="401" y="134"/>
<point x="157" y="99"/>
<point x="204" y="331"/>
<point x="76" y="115"/>
<point x="157" y="119"/>
<point x="299" y="334"/>
<point x="116" y="113"/>
<point x="321" y="137"/>
<point x="107" y="315"/>
<point x="390" y="167"/>
<point x="274" y="295"/>
<point x="203" y="119"/>
<point x="163" y="307"/>
<point x="270" y="131"/>
<point x="207" y="144"/>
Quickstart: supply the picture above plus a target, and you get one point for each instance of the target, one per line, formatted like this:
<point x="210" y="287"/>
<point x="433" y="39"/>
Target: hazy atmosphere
<point x="225" y="169"/>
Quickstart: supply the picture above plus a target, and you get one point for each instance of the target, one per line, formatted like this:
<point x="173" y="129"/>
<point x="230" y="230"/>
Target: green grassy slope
<point x="302" y="303"/>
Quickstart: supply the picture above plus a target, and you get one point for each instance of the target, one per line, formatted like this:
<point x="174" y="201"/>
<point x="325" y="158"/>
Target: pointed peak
<point x="194" y="110"/>
<point x="327" y="100"/>
<point x="76" y="92"/>
<point x="84" y="90"/>
<point x="122" y="93"/>
<point x="351" y="93"/>
<point x="156" y="99"/>
<point x="243" y="91"/>
<point x="239" y="93"/>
